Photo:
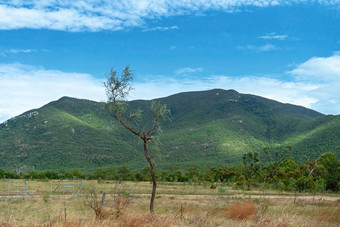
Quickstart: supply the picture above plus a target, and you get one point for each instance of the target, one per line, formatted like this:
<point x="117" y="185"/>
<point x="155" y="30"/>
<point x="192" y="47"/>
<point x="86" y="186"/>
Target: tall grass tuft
<point x="241" y="210"/>
<point x="141" y="220"/>
<point x="329" y="215"/>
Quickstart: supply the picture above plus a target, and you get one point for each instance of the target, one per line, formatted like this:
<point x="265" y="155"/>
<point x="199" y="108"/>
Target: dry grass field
<point x="177" y="204"/>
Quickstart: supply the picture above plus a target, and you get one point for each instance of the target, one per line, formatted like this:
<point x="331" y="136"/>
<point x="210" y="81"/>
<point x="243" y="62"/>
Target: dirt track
<point x="304" y="198"/>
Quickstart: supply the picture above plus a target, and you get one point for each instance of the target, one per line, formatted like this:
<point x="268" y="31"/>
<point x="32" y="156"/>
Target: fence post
<point x="51" y="189"/>
<point x="103" y="199"/>
<point x="26" y="190"/>
<point x="188" y="190"/>
<point x="133" y="189"/>
<point x="8" y="188"/>
<point x="81" y="187"/>
<point x="259" y="213"/>
<point x="59" y="185"/>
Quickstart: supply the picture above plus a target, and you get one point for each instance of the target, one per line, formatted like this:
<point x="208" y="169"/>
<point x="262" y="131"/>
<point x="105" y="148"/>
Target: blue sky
<point x="287" y="50"/>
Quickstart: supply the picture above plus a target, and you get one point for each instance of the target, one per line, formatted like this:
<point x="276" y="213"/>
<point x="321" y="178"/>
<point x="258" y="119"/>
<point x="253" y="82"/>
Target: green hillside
<point x="208" y="128"/>
<point x="319" y="136"/>
<point x="64" y="134"/>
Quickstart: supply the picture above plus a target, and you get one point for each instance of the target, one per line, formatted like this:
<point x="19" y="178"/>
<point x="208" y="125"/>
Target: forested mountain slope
<point x="208" y="128"/>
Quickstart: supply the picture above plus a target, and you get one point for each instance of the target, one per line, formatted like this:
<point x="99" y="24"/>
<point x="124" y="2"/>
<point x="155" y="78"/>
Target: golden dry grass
<point x="129" y="205"/>
<point x="141" y="220"/>
<point x="241" y="210"/>
<point x="329" y="215"/>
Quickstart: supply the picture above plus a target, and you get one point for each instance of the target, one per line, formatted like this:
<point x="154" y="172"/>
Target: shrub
<point x="241" y="210"/>
<point x="221" y="190"/>
<point x="99" y="180"/>
<point x="241" y="182"/>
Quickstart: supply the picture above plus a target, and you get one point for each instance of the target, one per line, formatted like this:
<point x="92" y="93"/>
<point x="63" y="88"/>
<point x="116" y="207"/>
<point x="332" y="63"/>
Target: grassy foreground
<point x="177" y="204"/>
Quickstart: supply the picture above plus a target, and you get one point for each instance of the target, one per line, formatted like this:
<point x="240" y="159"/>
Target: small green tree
<point x="110" y="173"/>
<point x="124" y="173"/>
<point x="241" y="182"/>
<point x="320" y="185"/>
<point x="275" y="158"/>
<point x="332" y="165"/>
<point x="193" y="175"/>
<point x="118" y="88"/>
<point x="250" y="166"/>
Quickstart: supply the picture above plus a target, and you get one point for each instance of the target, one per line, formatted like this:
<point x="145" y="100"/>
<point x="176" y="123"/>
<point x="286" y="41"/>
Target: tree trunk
<point x="154" y="183"/>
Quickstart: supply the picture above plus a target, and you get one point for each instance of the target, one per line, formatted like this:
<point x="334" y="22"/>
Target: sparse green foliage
<point x="250" y="166"/>
<point x="241" y="182"/>
<point x="331" y="172"/>
<point x="124" y="173"/>
<point x="118" y="88"/>
<point x="276" y="158"/>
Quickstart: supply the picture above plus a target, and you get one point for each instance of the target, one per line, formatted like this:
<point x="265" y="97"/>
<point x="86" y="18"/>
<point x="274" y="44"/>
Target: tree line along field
<point x="282" y="173"/>
<point x="176" y="204"/>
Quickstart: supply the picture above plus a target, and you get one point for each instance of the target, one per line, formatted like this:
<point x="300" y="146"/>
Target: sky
<point x="286" y="50"/>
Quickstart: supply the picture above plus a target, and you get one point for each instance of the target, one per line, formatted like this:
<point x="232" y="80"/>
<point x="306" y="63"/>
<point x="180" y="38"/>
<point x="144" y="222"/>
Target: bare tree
<point x="311" y="166"/>
<point x="118" y="88"/>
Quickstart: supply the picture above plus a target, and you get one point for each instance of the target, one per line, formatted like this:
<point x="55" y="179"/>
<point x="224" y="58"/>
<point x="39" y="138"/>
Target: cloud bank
<point x="315" y="85"/>
<point x="320" y="69"/>
<point x="24" y="87"/>
<point x="94" y="15"/>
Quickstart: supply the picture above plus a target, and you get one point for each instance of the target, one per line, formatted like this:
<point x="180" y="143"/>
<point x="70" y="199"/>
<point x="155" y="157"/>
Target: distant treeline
<point x="281" y="173"/>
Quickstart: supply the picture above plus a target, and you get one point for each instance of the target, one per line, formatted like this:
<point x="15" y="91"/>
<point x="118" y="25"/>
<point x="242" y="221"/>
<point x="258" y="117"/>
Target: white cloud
<point x="15" y="51"/>
<point x="94" y="15"/>
<point x="319" y="68"/>
<point x="160" y="28"/>
<point x="263" y="48"/>
<point x="70" y="19"/>
<point x="273" y="35"/>
<point x="188" y="70"/>
<point x="19" y="51"/>
<point x="315" y="85"/>
<point x="326" y="72"/>
<point x="23" y="87"/>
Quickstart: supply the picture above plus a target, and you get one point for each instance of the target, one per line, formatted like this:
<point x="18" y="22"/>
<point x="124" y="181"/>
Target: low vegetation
<point x="127" y="204"/>
<point x="284" y="174"/>
<point x="242" y="210"/>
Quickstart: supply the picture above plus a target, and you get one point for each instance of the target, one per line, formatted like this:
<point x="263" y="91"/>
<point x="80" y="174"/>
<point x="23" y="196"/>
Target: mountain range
<point x="207" y="128"/>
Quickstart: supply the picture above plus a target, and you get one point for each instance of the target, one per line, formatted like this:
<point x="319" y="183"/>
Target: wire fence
<point x="68" y="187"/>
<point x="22" y="189"/>
<point x="10" y="189"/>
